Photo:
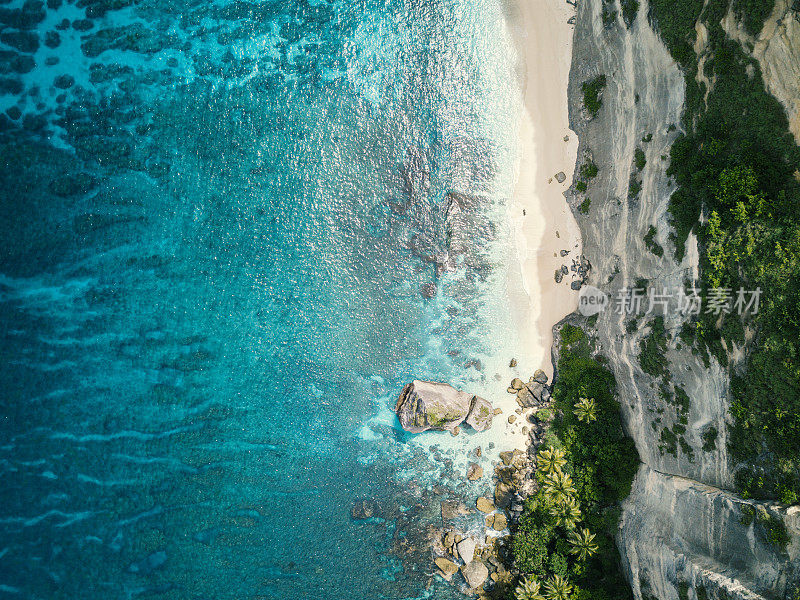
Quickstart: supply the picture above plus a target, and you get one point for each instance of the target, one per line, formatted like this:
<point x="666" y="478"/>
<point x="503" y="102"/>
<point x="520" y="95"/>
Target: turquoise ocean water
<point x="231" y="232"/>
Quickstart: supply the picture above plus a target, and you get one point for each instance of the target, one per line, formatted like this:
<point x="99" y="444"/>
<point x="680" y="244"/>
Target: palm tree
<point x="567" y="512"/>
<point x="529" y="589"/>
<point x="586" y="410"/>
<point x="558" y="484"/>
<point x="551" y="460"/>
<point x="558" y="588"/>
<point x="583" y="544"/>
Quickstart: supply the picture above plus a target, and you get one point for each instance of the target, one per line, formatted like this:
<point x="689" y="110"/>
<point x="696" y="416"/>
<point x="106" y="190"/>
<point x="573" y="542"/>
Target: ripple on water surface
<point x="236" y="234"/>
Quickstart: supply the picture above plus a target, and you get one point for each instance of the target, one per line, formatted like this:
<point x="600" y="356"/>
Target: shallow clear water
<point x="229" y="243"/>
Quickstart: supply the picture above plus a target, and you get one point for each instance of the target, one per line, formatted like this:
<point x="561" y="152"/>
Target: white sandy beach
<point x="542" y="222"/>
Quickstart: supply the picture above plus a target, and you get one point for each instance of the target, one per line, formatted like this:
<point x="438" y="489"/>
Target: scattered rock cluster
<point x="533" y="394"/>
<point x="579" y="268"/>
<point x="475" y="561"/>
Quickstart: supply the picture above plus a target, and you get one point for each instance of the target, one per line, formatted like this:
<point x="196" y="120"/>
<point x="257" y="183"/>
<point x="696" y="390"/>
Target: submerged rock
<point x="364" y="509"/>
<point x="452" y="510"/>
<point x="424" y="405"/>
<point x="447" y="567"/>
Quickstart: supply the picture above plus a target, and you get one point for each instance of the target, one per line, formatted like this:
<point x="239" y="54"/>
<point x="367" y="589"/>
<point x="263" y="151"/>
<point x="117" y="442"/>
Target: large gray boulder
<point x="425" y="405"/>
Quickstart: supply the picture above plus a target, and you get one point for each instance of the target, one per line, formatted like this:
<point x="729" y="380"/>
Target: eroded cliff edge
<point x="684" y="532"/>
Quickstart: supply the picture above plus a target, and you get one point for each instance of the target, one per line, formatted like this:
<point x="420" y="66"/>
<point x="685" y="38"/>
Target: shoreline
<point x="540" y="218"/>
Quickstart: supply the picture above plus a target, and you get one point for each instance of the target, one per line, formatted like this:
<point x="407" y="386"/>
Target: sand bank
<point x="542" y="222"/>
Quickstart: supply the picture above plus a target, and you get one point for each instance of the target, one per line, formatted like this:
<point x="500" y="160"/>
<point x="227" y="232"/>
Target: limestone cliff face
<point x="680" y="526"/>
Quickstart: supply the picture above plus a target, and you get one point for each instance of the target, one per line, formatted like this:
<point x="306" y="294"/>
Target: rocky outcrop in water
<point x="424" y="405"/>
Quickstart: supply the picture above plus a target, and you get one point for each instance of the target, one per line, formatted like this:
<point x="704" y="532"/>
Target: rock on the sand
<point x="475" y="573"/>
<point x="466" y="550"/>
<point x="561" y="177"/>
<point x="425" y="405"/>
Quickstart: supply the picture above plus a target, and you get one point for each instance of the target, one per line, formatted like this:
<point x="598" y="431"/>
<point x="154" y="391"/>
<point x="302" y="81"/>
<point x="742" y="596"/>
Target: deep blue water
<point x="230" y="236"/>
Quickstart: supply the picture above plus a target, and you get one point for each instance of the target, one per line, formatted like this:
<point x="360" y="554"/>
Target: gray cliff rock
<point x="424" y="405"/>
<point x="681" y="525"/>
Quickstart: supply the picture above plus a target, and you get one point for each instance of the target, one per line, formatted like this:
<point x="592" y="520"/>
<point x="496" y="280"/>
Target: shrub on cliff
<point x="592" y="94"/>
<point x="735" y="165"/>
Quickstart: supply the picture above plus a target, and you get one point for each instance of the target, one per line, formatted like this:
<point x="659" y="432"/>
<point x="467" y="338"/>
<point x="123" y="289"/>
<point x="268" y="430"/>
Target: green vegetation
<point x="753" y="13"/>
<point x="630" y="9"/>
<point x="675" y="19"/>
<point x="768" y="526"/>
<point x="773" y="529"/>
<point x="564" y="543"/>
<point x="652" y="349"/>
<point x="609" y="14"/>
<point x="640" y="159"/>
<point x="571" y="335"/>
<point x="736" y="165"/>
<point x="634" y="187"/>
<point x="584" y="207"/>
<point x="589" y="170"/>
<point x="710" y="439"/>
<point x="592" y="94"/>
<point x="651" y="243"/>
<point x="648" y="138"/>
<point x="683" y="590"/>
